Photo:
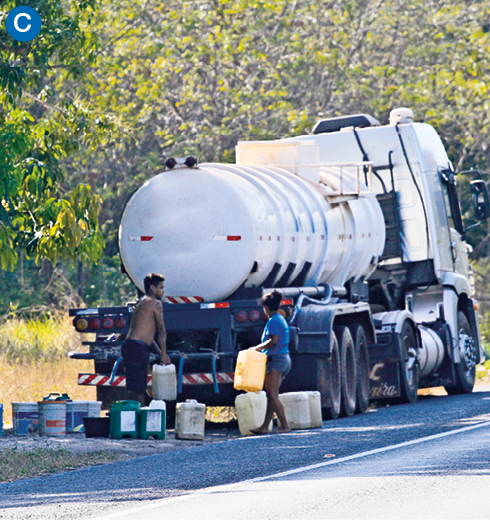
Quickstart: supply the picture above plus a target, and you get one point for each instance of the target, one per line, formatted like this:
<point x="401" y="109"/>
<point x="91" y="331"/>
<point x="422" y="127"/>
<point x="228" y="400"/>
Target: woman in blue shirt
<point x="275" y="343"/>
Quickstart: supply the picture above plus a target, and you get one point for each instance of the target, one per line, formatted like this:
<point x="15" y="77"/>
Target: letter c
<point x="374" y="372"/>
<point x="16" y="24"/>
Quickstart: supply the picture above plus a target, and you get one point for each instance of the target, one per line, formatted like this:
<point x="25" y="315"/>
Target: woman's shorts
<point x="279" y="362"/>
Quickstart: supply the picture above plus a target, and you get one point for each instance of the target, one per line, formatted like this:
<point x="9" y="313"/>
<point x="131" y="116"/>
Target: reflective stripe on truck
<point x="187" y="379"/>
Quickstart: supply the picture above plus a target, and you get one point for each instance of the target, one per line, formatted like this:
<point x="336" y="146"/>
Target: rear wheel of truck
<point x="465" y="370"/>
<point x="332" y="398"/>
<point x="409" y="366"/>
<point x="348" y="379"/>
<point x="362" y="362"/>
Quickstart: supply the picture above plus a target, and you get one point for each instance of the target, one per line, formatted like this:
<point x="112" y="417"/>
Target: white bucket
<point x="297" y="409"/>
<point x="52" y="417"/>
<point x="189" y="420"/>
<point x="250" y="410"/>
<point x="25" y="418"/>
<point x="77" y="410"/>
<point x="315" y="409"/>
<point x="164" y="382"/>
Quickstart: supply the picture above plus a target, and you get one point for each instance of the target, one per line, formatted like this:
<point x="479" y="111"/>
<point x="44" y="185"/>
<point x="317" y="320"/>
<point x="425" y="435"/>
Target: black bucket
<point x="96" y="426"/>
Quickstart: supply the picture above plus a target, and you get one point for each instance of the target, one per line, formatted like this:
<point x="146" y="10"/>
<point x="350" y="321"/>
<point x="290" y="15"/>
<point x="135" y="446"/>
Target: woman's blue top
<point x="278" y="326"/>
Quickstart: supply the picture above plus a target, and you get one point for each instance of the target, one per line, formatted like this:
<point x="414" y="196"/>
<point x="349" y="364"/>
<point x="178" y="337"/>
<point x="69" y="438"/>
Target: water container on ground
<point x="315" y="409"/>
<point x="297" y="409"/>
<point x="25" y="418"/>
<point x="250" y="371"/>
<point x="250" y="410"/>
<point x="189" y="420"/>
<point x="124" y="419"/>
<point x="152" y="421"/>
<point x="52" y="417"/>
<point x="77" y="410"/>
<point x="164" y="382"/>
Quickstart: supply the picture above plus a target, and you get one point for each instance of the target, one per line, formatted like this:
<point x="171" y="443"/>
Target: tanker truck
<point x="359" y="226"/>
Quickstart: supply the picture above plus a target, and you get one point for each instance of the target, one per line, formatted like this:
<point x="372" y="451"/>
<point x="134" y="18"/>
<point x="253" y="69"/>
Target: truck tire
<point x="409" y="367"/>
<point x="362" y="363"/>
<point x="465" y="370"/>
<point x="348" y="379"/>
<point x="332" y="398"/>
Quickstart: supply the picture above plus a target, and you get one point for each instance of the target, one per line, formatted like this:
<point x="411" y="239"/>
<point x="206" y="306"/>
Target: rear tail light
<point x="107" y="323"/>
<point x="81" y="324"/>
<point x="94" y="324"/>
<point x="254" y="316"/>
<point x="120" y="322"/>
<point x="241" y="316"/>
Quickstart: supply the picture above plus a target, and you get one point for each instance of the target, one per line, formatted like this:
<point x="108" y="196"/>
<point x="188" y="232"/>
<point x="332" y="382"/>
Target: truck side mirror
<point x="480" y="199"/>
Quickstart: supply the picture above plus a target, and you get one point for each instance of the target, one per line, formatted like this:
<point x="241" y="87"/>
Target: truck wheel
<point x="464" y="370"/>
<point x="362" y="362"/>
<point x="409" y="366"/>
<point x="348" y="379"/>
<point x="332" y="398"/>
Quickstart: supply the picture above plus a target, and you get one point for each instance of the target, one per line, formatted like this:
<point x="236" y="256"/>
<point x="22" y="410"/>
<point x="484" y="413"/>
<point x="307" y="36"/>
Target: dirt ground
<point x="77" y="442"/>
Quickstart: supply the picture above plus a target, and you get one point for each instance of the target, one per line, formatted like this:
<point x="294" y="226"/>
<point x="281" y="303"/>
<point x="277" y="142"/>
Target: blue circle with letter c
<point x="23" y="23"/>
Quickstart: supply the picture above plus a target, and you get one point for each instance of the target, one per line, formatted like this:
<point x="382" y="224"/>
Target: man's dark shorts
<point x="136" y="357"/>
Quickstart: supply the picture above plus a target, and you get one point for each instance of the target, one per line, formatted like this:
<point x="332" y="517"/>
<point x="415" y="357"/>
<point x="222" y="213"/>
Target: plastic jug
<point x="297" y="409"/>
<point x="164" y="382"/>
<point x="250" y="371"/>
<point x="189" y="420"/>
<point x="250" y="410"/>
<point x="315" y="409"/>
<point x="152" y="421"/>
<point x="124" y="419"/>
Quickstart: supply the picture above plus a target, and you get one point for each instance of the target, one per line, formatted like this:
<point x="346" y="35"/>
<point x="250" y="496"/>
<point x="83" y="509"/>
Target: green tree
<point x="40" y="128"/>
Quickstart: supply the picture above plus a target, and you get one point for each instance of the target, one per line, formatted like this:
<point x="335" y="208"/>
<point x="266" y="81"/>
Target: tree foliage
<point x="195" y="76"/>
<point x="39" y="128"/>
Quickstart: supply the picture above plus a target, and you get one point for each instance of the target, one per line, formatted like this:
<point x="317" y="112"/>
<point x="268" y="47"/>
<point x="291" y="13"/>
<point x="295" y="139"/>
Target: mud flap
<point x="384" y="373"/>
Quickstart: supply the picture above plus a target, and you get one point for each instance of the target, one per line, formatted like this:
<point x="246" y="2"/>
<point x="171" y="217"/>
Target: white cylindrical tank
<point x="210" y="229"/>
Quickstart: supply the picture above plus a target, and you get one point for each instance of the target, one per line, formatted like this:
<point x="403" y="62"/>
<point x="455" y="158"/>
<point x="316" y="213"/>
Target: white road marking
<point x="220" y="489"/>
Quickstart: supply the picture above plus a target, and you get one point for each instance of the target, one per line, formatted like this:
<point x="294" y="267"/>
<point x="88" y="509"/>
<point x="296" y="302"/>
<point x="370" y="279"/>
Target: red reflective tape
<point x="286" y="302"/>
<point x="222" y="305"/>
<point x="190" y="379"/>
<point x="206" y="379"/>
<point x="118" y="380"/>
<point x="88" y="379"/>
<point x="185" y="300"/>
<point x="146" y="239"/>
<point x="233" y="238"/>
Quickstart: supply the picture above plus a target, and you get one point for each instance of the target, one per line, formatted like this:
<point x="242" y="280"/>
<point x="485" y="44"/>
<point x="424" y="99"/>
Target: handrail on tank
<point x="341" y="165"/>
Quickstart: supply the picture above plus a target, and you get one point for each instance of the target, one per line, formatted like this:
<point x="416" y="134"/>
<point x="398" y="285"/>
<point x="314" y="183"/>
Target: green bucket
<point x="124" y="419"/>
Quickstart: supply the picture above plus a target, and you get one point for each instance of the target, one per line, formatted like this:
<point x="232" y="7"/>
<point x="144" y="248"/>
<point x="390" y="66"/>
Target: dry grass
<point x="34" y="362"/>
<point x="31" y="382"/>
<point x="19" y="464"/>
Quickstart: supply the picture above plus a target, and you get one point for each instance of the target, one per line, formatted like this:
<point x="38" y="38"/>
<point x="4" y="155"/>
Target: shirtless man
<point x="146" y="333"/>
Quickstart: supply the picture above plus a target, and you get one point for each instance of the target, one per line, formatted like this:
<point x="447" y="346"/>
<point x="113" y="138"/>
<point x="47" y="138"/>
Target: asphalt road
<point x="366" y="464"/>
